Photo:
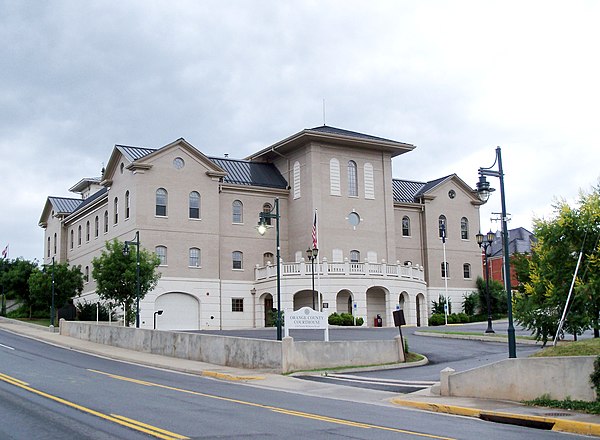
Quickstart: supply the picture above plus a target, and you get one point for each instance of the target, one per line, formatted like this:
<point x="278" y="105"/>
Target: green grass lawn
<point x="585" y="347"/>
<point x="45" y="322"/>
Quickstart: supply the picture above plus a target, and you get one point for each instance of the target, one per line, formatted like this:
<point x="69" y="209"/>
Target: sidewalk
<point x="485" y="409"/>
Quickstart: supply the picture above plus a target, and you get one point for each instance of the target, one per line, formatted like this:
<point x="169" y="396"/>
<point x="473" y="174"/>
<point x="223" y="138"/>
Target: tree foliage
<point x="14" y="275"/>
<point x="116" y="278"/>
<point x="68" y="283"/>
<point x="546" y="284"/>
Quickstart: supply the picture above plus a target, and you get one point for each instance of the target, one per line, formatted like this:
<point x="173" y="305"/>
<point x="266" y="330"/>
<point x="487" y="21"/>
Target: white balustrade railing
<point x="324" y="268"/>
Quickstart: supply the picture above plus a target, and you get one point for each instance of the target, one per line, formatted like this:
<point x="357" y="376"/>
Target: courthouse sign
<point x="306" y="318"/>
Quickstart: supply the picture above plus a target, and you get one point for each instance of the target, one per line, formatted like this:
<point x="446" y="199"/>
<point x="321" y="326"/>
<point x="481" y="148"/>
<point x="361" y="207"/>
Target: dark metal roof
<point x="243" y="172"/>
<point x="91" y="198"/>
<point x="519" y="240"/>
<point x="431" y="184"/>
<point x="64" y="205"/>
<point x="405" y="191"/>
<point x="354" y="134"/>
<point x="134" y="153"/>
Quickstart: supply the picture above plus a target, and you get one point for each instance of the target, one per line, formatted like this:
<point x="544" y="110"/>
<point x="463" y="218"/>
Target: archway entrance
<point x="181" y="311"/>
<point x="343" y="302"/>
<point x="267" y="303"/>
<point x="376" y="305"/>
<point x="421" y="310"/>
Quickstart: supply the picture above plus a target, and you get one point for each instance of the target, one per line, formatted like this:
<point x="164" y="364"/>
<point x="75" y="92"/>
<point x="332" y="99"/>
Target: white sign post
<point x="306" y="318"/>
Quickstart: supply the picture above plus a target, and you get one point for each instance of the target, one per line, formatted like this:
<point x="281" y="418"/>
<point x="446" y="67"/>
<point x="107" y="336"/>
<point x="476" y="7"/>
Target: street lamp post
<point x="262" y="228"/>
<point x="136" y="243"/>
<point x="485" y="245"/>
<point x="158" y="312"/>
<point x="312" y="255"/>
<point x="484" y="190"/>
<point x="52" y="305"/>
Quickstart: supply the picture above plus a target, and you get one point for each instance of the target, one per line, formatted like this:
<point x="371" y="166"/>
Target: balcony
<point x="346" y="268"/>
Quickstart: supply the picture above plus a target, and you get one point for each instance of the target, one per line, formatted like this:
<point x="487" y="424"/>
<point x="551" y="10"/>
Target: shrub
<point x="344" y="319"/>
<point x="463" y="318"/>
<point x="595" y="378"/>
<point x="470" y="303"/>
<point x="437" y="319"/>
<point x="438" y="306"/>
<point x="334" y="319"/>
<point x="359" y="321"/>
<point x="347" y="319"/>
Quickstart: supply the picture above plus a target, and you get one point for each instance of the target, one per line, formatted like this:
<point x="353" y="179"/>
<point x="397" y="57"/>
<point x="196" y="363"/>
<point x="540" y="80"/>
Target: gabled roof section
<point x="243" y="172"/>
<point x="62" y="206"/>
<point x="85" y="183"/>
<point x="432" y="184"/>
<point x="336" y="136"/>
<point x="134" y="153"/>
<point x="405" y="191"/>
<point x="520" y="241"/>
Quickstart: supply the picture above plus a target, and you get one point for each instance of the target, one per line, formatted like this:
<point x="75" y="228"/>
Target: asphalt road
<point x="51" y="392"/>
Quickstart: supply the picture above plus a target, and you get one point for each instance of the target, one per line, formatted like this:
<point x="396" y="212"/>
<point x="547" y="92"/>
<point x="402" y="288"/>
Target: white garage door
<point x="180" y="312"/>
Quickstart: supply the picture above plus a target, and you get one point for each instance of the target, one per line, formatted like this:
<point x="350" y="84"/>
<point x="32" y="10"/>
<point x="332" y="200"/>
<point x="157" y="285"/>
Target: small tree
<point x="116" y="278"/>
<point x="14" y="280"/>
<point x="68" y="282"/>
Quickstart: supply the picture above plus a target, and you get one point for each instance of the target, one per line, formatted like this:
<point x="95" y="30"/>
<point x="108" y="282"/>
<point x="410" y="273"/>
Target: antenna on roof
<point x="324" y="112"/>
<point x="226" y="155"/>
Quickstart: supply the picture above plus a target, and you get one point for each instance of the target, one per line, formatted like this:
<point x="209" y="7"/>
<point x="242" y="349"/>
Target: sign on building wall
<point x="306" y="318"/>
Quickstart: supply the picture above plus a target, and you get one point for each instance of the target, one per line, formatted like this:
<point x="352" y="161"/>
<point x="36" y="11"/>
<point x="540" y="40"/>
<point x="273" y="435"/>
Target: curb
<point x="231" y="377"/>
<point x="475" y="337"/>
<point x="539" y="422"/>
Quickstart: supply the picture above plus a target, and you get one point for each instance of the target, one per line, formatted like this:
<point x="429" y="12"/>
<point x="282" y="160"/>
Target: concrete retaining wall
<point x="524" y="379"/>
<point x="284" y="356"/>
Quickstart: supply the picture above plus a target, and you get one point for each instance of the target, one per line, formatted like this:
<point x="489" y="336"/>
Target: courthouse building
<point x="379" y="238"/>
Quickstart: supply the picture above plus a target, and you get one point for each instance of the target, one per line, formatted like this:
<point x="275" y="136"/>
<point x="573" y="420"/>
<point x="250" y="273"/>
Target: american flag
<point x="314" y="232"/>
<point x="5" y="252"/>
<point x="443" y="231"/>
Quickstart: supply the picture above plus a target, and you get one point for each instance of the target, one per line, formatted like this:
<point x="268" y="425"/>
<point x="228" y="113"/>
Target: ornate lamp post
<point x="52" y="309"/>
<point x="311" y="254"/>
<point x="485" y="245"/>
<point x="262" y="228"/>
<point x="484" y="190"/>
<point x="136" y="243"/>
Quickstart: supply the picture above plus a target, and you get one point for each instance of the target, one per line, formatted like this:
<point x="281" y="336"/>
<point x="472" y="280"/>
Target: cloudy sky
<point x="454" y="78"/>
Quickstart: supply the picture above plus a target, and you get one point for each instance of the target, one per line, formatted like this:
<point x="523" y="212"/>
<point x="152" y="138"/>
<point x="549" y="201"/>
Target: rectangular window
<point x="237" y="304"/>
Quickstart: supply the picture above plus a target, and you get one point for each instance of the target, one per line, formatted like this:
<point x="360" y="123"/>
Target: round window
<point x="451" y="193"/>
<point x="353" y="219"/>
<point x="178" y="163"/>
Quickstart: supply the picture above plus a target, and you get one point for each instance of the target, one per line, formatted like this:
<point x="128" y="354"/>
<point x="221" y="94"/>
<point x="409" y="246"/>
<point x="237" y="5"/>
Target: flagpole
<point x="318" y="269"/>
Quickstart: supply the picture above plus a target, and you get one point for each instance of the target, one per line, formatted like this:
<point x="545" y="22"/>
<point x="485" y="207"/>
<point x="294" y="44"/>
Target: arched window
<point x="127" y="204"/>
<point x="354" y="256"/>
<point x="194" y="257"/>
<point x="237" y="260"/>
<point x="267" y="208"/>
<point x="297" y="192"/>
<point x="87" y="231"/>
<point x="105" y="222"/>
<point x="48" y="246"/>
<point x="352" y="179"/>
<point x="78" y="236"/>
<point x="334" y="177"/>
<point x="194" y="202"/>
<point x="464" y="228"/>
<point x="116" y="208"/>
<point x="72" y="240"/>
<point x="406" y="226"/>
<point x="445" y="270"/>
<point x="96" y="227"/>
<point x="86" y="277"/>
<point x="442" y="227"/>
<point x="237" y="212"/>
<point x="161" y="253"/>
<point x="369" y="181"/>
<point x="55" y="240"/>
<point x="466" y="270"/>
<point x="161" y="202"/>
<point x="268" y="257"/>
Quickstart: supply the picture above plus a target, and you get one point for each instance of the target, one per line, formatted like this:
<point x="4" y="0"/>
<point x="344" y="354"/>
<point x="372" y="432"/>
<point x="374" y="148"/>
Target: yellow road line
<point x="138" y="426"/>
<point x="276" y="409"/>
<point x="153" y="428"/>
